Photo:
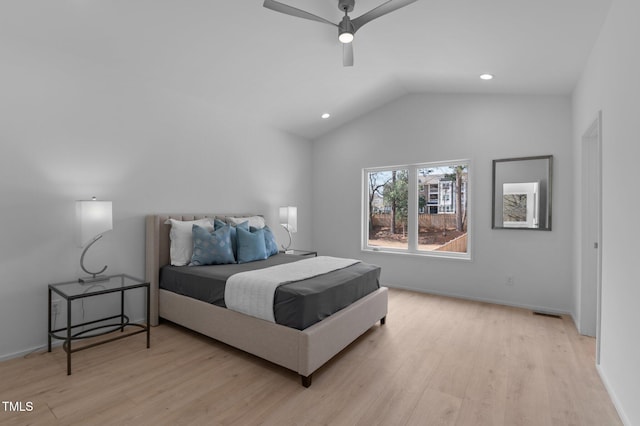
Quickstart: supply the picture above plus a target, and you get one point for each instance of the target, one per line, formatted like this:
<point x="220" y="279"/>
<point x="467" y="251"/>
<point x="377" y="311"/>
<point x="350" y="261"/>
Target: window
<point x="417" y="209"/>
<point x="388" y="195"/>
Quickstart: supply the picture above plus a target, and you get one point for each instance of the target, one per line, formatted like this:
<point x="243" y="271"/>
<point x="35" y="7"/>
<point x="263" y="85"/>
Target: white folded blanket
<point x="252" y="292"/>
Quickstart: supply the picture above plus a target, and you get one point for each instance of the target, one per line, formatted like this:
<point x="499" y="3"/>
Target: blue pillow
<point x="251" y="245"/>
<point x="217" y="224"/>
<point x="269" y="240"/>
<point x="211" y="247"/>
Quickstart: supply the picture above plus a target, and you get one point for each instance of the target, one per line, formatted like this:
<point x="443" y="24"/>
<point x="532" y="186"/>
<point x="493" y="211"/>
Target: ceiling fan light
<point x="345" y="37"/>
<point x="345" y="30"/>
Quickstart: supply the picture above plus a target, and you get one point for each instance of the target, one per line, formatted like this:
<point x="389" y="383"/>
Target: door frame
<point x="591" y="209"/>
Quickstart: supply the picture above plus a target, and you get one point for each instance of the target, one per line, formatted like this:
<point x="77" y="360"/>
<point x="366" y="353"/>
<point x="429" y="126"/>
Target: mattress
<point x="297" y="305"/>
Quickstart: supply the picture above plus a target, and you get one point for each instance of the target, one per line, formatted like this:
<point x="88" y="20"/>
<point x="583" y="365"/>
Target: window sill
<point x="421" y="254"/>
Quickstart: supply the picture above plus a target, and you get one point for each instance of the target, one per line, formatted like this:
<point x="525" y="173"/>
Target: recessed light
<point x="325" y="116"/>
<point x="486" y="76"/>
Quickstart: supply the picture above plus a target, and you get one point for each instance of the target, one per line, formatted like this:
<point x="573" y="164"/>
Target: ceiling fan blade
<point x="347" y="54"/>
<point x="294" y="11"/>
<point x="377" y="12"/>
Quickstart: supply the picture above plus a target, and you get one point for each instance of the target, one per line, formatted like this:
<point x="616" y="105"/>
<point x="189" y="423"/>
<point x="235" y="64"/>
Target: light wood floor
<point x="437" y="361"/>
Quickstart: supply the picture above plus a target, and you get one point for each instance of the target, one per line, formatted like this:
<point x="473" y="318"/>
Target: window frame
<point x="413" y="214"/>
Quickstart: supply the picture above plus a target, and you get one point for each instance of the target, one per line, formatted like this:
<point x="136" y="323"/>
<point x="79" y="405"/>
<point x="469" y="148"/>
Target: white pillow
<point x="182" y="239"/>
<point x="255" y="221"/>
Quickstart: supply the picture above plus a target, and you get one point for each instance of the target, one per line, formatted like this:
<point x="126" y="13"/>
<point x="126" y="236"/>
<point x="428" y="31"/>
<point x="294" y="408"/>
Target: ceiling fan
<point x="347" y="27"/>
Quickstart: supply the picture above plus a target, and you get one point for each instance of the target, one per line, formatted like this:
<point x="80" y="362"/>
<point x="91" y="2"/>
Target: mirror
<point x="522" y="193"/>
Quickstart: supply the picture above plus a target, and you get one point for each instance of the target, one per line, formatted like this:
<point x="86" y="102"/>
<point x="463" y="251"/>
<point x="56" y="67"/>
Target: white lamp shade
<point x="289" y="218"/>
<point x="94" y="218"/>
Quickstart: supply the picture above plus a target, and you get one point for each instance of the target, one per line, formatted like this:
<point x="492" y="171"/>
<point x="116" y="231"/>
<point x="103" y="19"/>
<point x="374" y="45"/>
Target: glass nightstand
<point x="303" y="253"/>
<point x="74" y="290"/>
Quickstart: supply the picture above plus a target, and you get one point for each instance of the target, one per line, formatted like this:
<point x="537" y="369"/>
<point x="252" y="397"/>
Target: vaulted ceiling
<point x="285" y="72"/>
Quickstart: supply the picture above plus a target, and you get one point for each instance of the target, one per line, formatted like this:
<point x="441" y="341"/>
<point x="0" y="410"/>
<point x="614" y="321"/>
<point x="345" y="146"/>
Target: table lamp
<point x="289" y="221"/>
<point x="94" y="219"/>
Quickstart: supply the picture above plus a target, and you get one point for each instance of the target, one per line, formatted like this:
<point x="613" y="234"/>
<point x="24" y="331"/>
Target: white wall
<point x="610" y="84"/>
<point x="436" y="127"/>
<point x="71" y="129"/>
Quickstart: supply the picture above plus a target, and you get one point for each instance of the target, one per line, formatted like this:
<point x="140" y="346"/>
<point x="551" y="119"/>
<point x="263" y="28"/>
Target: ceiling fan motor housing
<point x="346" y="5"/>
<point x="346" y="27"/>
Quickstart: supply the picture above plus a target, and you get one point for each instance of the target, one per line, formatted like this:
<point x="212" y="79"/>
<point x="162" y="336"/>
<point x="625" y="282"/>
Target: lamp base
<point x="93" y="279"/>
<point x="95" y="276"/>
<point x="286" y="249"/>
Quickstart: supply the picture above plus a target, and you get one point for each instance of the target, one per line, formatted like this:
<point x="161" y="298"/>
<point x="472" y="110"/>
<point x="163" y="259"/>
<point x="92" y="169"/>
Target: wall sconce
<point x="289" y="221"/>
<point x="94" y="219"/>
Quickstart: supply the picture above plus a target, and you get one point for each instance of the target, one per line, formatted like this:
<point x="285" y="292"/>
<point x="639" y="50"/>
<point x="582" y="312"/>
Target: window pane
<point x="442" y="208"/>
<point x="388" y="209"/>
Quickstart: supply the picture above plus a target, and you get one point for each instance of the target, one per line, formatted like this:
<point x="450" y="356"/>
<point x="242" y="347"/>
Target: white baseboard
<point x="485" y="300"/>
<point x="26" y="352"/>
<point x="613" y="396"/>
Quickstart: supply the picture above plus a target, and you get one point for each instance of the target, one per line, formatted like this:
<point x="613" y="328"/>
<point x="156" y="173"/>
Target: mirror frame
<point x="498" y="192"/>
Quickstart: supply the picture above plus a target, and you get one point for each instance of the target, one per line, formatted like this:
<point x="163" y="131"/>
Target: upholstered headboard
<point x="157" y="250"/>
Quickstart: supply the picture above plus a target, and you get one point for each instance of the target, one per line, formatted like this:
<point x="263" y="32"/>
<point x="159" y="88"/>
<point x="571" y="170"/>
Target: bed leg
<point x="306" y="380"/>
<point x="383" y="320"/>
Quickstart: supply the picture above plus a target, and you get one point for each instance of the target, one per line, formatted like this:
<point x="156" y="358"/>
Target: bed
<point x="300" y="350"/>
